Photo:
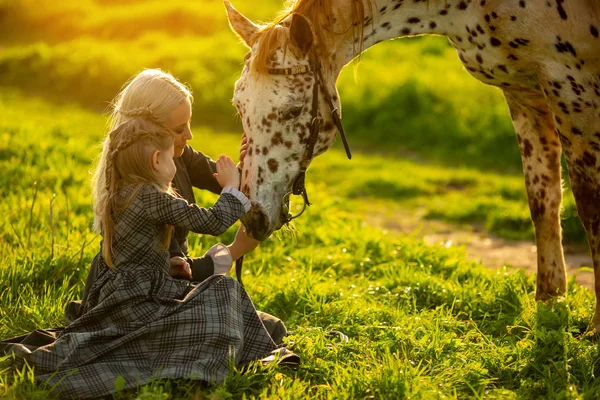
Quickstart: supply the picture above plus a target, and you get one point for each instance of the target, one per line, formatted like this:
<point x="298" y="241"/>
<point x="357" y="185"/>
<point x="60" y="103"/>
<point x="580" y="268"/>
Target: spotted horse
<point x="543" y="54"/>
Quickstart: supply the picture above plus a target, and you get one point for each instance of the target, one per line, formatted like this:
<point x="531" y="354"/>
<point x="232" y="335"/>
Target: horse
<point x="544" y="55"/>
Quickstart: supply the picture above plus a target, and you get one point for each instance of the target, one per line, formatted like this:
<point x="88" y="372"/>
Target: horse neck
<point x="389" y="19"/>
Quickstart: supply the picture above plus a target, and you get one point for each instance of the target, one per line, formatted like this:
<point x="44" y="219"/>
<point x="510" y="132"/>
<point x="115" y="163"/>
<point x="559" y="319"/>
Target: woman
<point x="157" y="95"/>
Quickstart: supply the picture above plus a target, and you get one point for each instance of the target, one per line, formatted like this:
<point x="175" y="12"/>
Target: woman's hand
<point x="242" y="244"/>
<point x="227" y="173"/>
<point x="180" y="268"/>
<point x="243" y="150"/>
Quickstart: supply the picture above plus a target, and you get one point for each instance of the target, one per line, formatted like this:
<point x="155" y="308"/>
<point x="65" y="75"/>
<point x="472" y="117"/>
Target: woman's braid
<point x="138" y="112"/>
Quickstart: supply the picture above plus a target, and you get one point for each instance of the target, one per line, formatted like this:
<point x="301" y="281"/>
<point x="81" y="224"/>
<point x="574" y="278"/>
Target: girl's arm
<point x="167" y="209"/>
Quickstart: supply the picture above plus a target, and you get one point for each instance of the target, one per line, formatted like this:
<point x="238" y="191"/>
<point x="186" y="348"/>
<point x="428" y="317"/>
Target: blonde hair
<point x="152" y="95"/>
<point x="128" y="163"/>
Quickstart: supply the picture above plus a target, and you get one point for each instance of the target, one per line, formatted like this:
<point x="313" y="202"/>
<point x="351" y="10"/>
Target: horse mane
<point x="321" y="15"/>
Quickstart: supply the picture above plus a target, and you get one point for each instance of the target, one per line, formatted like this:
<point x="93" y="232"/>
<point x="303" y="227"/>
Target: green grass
<point x="422" y="322"/>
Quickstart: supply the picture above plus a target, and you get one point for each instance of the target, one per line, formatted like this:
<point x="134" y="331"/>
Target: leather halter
<point x="298" y="187"/>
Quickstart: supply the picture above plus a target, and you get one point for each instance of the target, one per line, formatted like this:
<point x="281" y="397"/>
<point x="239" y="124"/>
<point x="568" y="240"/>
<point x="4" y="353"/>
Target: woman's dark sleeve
<point x="200" y="169"/>
<point x="202" y="267"/>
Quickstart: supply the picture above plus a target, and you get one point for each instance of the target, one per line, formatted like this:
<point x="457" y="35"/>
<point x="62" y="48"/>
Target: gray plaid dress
<point x="140" y="323"/>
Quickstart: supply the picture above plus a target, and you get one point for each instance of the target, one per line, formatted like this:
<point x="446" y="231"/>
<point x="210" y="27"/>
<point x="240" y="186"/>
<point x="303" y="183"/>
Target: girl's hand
<point x="242" y="244"/>
<point x="180" y="268"/>
<point x="243" y="150"/>
<point x="227" y="173"/>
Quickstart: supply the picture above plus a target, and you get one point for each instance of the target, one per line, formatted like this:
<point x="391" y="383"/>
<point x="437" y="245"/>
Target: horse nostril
<point x="257" y="224"/>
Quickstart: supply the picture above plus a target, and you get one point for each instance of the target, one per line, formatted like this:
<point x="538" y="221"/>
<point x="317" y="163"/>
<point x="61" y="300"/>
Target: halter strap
<point x="299" y="69"/>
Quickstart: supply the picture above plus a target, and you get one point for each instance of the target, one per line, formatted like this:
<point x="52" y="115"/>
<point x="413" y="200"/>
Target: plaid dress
<point x="140" y="323"/>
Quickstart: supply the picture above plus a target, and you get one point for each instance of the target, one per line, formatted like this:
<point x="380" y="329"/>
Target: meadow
<point x="422" y="321"/>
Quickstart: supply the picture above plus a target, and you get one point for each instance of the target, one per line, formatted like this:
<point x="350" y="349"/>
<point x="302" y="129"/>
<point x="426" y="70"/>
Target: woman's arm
<point x="219" y="258"/>
<point x="200" y="169"/>
<point x="167" y="209"/>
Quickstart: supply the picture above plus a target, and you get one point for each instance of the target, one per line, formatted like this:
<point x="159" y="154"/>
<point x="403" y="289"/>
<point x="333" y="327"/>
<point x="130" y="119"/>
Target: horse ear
<point x="301" y="34"/>
<point x="241" y="25"/>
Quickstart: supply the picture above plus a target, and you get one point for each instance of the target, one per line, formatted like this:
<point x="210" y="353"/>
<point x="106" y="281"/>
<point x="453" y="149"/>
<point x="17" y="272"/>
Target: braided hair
<point x="150" y="95"/>
<point x="129" y="148"/>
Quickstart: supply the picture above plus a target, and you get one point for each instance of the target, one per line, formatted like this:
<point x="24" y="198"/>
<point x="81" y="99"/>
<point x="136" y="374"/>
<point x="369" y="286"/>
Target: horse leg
<point x="574" y="98"/>
<point x="540" y="154"/>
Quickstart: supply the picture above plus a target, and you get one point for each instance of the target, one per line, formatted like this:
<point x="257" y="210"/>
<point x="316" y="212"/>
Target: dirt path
<point x="491" y="251"/>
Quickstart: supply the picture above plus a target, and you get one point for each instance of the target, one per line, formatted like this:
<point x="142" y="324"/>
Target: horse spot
<point x="495" y="42"/>
<point x="560" y="9"/>
<point x="564" y="47"/>
<point x="265" y="150"/>
<point x="273" y="165"/>
<point x="594" y="31"/>
<point x="589" y="159"/>
<point x="462" y="5"/>
<point x="594" y="228"/>
<point x="527" y="148"/>
<point x="538" y="209"/>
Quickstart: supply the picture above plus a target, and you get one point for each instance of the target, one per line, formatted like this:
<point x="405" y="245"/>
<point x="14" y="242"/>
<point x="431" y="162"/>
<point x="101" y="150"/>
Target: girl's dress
<point x="140" y="323"/>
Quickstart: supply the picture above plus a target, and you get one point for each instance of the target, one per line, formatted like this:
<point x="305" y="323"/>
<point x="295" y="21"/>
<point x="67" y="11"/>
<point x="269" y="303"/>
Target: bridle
<point x="298" y="187"/>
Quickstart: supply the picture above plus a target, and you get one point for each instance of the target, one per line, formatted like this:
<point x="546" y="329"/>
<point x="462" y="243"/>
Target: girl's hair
<point x="151" y="95"/>
<point x="128" y="149"/>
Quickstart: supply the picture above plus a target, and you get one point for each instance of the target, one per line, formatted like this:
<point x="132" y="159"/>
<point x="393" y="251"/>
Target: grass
<point x="422" y="322"/>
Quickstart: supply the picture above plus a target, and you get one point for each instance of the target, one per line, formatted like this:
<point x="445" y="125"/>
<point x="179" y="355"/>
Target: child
<point x="139" y="322"/>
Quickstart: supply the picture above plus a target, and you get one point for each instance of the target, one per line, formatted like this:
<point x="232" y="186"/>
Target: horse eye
<point x="293" y="112"/>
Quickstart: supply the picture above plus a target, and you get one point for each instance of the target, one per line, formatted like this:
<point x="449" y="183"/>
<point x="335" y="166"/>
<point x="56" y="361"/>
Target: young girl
<point x="138" y="322"/>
